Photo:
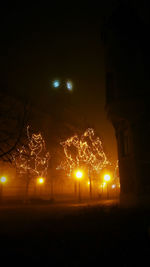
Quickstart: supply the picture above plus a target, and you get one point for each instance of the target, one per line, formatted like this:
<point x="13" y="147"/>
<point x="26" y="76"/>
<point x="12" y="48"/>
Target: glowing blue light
<point x="56" y="83"/>
<point x="69" y="86"/>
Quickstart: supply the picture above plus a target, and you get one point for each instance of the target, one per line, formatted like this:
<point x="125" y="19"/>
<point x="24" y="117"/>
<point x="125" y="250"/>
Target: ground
<point x="74" y="234"/>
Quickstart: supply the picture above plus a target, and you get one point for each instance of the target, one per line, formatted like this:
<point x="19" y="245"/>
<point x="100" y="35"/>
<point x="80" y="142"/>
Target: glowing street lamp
<point x="107" y="179"/>
<point x="3" y="180"/>
<point x="40" y="180"/>
<point x="79" y="175"/>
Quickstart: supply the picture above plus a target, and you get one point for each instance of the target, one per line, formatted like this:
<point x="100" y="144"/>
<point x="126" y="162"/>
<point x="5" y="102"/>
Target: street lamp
<point x="107" y="177"/>
<point x="107" y="180"/>
<point x="40" y="180"/>
<point x="3" y="180"/>
<point x="79" y="175"/>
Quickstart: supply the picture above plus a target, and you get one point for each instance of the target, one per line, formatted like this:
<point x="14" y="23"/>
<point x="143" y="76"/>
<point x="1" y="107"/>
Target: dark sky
<point x="42" y="42"/>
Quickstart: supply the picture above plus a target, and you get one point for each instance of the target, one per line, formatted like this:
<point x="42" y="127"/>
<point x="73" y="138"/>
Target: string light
<point x="32" y="158"/>
<point x="84" y="151"/>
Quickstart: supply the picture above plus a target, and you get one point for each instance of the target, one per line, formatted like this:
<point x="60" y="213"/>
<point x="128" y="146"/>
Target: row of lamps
<point x="78" y="174"/>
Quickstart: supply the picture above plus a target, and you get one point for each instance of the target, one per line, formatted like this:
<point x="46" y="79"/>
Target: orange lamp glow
<point x="79" y="174"/>
<point x="107" y="177"/>
<point x="3" y="179"/>
<point x="40" y="180"/>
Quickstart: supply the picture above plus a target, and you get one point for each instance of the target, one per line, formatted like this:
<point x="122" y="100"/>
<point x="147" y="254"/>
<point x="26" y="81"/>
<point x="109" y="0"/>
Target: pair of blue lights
<point x="56" y="84"/>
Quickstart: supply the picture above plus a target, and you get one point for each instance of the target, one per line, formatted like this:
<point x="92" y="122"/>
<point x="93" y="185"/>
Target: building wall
<point x="127" y="103"/>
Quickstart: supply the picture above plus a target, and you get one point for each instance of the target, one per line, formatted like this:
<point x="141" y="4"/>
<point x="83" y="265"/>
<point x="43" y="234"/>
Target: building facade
<point x="127" y="103"/>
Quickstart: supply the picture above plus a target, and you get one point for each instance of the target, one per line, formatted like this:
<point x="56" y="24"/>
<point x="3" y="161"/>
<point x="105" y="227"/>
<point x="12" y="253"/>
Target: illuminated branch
<point x="84" y="151"/>
<point x="32" y="158"/>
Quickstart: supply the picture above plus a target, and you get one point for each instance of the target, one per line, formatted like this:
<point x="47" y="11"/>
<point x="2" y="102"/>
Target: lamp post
<point x="2" y="181"/>
<point x="107" y="179"/>
<point x="40" y="181"/>
<point x="79" y="175"/>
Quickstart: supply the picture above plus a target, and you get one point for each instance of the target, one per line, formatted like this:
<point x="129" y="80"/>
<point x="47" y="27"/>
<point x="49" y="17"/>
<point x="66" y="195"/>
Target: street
<point x="74" y="234"/>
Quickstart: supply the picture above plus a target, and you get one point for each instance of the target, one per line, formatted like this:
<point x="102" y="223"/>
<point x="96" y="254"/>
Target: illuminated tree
<point x="32" y="159"/>
<point x="84" y="152"/>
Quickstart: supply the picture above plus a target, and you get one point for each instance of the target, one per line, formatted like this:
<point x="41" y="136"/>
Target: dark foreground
<point x="100" y="234"/>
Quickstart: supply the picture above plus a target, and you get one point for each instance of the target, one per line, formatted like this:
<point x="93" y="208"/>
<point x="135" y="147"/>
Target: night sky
<point x="42" y="42"/>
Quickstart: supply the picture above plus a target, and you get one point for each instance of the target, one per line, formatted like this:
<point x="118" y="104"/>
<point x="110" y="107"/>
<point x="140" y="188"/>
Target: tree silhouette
<point x="84" y="152"/>
<point x="12" y="120"/>
<point x="32" y="159"/>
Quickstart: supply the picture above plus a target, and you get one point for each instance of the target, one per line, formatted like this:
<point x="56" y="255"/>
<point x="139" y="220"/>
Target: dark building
<point x="127" y="46"/>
